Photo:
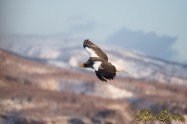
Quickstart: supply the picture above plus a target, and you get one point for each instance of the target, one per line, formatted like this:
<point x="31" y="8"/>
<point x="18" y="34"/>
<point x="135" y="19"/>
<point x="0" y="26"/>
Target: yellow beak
<point x="81" y="65"/>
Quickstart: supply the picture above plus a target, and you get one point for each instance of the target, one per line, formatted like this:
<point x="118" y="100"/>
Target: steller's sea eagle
<point x="98" y="61"/>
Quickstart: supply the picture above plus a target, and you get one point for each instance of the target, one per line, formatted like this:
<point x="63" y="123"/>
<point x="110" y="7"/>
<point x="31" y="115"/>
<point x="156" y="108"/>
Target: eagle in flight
<point x="98" y="61"/>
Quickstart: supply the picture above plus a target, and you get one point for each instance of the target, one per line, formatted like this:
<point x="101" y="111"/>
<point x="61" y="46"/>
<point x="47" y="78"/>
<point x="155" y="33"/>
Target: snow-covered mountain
<point x="68" y="53"/>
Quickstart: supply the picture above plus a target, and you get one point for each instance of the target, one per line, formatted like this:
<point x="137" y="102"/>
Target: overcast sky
<point x="97" y="19"/>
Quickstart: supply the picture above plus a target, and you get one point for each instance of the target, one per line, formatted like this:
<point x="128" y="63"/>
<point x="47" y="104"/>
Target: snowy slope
<point x="68" y="53"/>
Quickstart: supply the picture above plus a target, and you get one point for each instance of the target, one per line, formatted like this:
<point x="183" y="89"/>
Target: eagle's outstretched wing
<point x="100" y="77"/>
<point x="94" y="50"/>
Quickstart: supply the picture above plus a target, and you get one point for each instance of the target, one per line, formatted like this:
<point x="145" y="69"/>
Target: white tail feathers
<point x="119" y="68"/>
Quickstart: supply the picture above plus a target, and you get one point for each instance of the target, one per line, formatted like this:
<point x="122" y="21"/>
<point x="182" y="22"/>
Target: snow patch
<point x="73" y="61"/>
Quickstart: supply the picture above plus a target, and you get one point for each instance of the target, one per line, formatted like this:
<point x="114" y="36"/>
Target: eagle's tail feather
<point x="119" y="69"/>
